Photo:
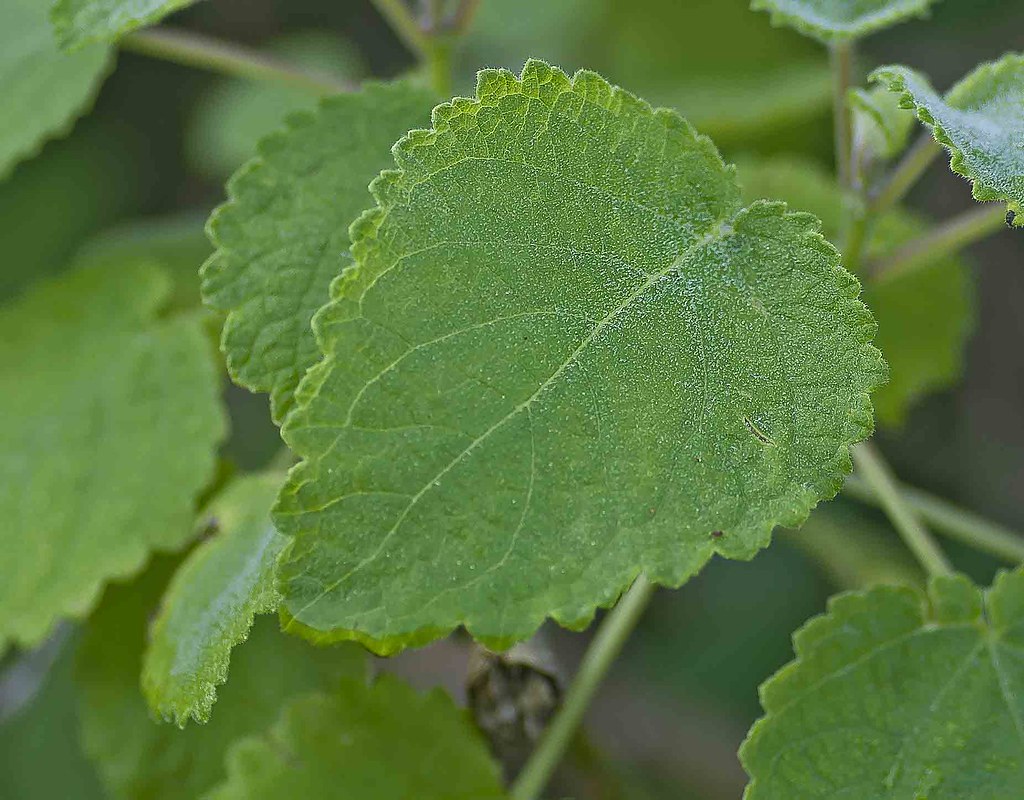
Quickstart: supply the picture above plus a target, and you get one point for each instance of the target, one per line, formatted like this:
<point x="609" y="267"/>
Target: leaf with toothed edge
<point x="283" y="235"/>
<point x="980" y="121"/>
<point x="838" y="20"/>
<point x="923" y="697"/>
<point x="566" y="356"/>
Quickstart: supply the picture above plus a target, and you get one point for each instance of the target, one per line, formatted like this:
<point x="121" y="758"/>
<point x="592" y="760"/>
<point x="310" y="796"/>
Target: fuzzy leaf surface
<point x="980" y="121"/>
<point x="109" y="423"/>
<point x="212" y="601"/>
<point x="82" y="22"/>
<point x="44" y="90"/>
<point x="832" y="20"/>
<point x="283" y="235"/>
<point x="923" y="357"/>
<point x="379" y="742"/>
<point x="923" y="697"/>
<point x="567" y="355"/>
<point x="880" y="121"/>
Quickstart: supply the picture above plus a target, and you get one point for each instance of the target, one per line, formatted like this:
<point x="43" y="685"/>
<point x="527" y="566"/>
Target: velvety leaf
<point x="923" y="357"/>
<point x="896" y="695"/>
<point x="879" y="122"/>
<point x="566" y="356"/>
<point x="980" y="121"/>
<point x="379" y="742"/>
<point x="832" y="20"/>
<point x="109" y="423"/>
<point x="44" y="90"/>
<point x="80" y="22"/>
<point x="283" y="236"/>
<point x="140" y="759"/>
<point x="212" y="601"/>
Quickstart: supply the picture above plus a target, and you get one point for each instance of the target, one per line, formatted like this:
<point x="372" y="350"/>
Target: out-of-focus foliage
<point x="81" y="22"/>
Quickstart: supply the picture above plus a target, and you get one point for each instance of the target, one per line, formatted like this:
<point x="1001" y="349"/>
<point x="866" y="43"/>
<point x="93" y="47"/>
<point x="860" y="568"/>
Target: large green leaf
<point x="212" y="601"/>
<point x="896" y="695"/>
<point x="139" y="759"/>
<point x="81" y="22"/>
<point x="284" y="234"/>
<point x="109" y="422"/>
<point x="923" y="357"/>
<point x="566" y="356"/>
<point x="44" y="90"/>
<point x="836" y="20"/>
<point x="380" y="742"/>
<point x="980" y="121"/>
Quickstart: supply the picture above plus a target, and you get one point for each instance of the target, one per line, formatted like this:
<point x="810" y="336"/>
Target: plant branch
<point x="910" y="169"/>
<point x="204" y="52"/>
<point x="607" y="643"/>
<point x="842" y="69"/>
<point x="947" y="518"/>
<point x="949" y="237"/>
<point x="405" y="25"/>
<point x="879" y="477"/>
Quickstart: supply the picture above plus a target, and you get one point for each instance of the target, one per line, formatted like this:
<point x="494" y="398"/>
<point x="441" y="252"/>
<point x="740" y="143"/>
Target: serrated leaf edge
<point x="822" y="33"/>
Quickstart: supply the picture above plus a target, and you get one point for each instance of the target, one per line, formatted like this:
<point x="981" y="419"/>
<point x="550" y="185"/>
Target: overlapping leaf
<point x="880" y="124"/>
<point x="980" y="121"/>
<point x="380" y="742"/>
<point x="212" y="601"/>
<point x="44" y="90"/>
<point x="140" y="759"/>
<point x="81" y="22"/>
<point x="836" y="20"/>
<point x="109" y="421"/>
<point x="284" y="235"/>
<point x="566" y="356"/>
<point x="923" y="357"/>
<point x="922" y="697"/>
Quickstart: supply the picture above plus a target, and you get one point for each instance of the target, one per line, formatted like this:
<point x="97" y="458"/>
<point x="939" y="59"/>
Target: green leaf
<point x="139" y="759"/>
<point x="566" y="357"/>
<point x="44" y="90"/>
<point x="837" y="20"/>
<point x="923" y="357"/>
<point x="896" y="695"/>
<point x="283" y="236"/>
<point x="109" y="422"/>
<point x="980" y="121"/>
<point x="212" y="601"/>
<point x="879" y="122"/>
<point x="380" y="742"/>
<point x="81" y="22"/>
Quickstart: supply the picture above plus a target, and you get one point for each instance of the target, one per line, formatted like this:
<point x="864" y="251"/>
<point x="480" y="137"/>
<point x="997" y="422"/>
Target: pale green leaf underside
<point x="879" y="122"/>
<point x="283" y="236"/>
<point x="81" y="22"/>
<point x="567" y="356"/>
<point x="141" y="759"/>
<point x="109" y="423"/>
<point x="379" y="742"/>
<point x="44" y="90"/>
<point x="212" y="601"/>
<point x="980" y="121"/>
<point x="831" y="20"/>
<point x="895" y="696"/>
<point x="923" y="357"/>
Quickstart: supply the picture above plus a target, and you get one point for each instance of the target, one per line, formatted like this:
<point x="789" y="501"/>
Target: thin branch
<point x="405" y="25"/>
<point x="910" y="169"/>
<point x="204" y="52"/>
<point x="842" y="69"/>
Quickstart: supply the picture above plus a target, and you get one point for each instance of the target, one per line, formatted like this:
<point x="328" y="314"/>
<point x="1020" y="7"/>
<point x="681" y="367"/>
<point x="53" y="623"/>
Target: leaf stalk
<point x="842" y="70"/>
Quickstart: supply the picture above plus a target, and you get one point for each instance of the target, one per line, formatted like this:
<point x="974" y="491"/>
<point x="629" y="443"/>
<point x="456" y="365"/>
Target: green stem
<point x="405" y="25"/>
<point x="905" y="175"/>
<point x="842" y="69"/>
<point x="438" y="62"/>
<point x="203" y="52"/>
<point x="947" y="518"/>
<point x="949" y="237"/>
<point x="610" y="638"/>
<point x="878" y="476"/>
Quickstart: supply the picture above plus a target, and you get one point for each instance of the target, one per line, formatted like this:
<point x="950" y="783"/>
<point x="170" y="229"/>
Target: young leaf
<point x="284" y="234"/>
<point x="380" y="742"/>
<point x="566" y="356"/>
<point x="980" y="121"/>
<point x="880" y="122"/>
<point x="923" y="357"/>
<point x="81" y="22"/>
<point x="837" y="20"/>
<point x="896" y="695"/>
<point x="44" y="90"/>
<point x="212" y="601"/>
<point x="140" y="759"/>
<point x="109" y="422"/>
